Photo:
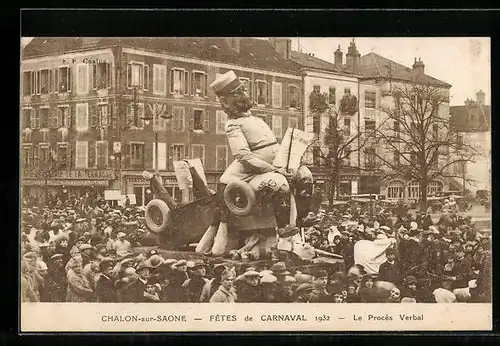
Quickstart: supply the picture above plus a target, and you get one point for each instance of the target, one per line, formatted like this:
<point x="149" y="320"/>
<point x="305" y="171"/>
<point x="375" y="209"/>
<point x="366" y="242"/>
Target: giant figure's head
<point x="232" y="94"/>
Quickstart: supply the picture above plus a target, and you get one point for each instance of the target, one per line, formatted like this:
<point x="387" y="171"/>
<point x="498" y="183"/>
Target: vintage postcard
<point x="278" y="175"/>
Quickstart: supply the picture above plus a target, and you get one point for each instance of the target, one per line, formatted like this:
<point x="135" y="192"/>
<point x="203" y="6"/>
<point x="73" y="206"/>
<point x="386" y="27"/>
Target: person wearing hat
<point x="304" y="292"/>
<point x="248" y="290"/>
<point x="105" y="289"/>
<point x="213" y="284"/>
<point x="56" y="279"/>
<point x="320" y="282"/>
<point x="122" y="245"/>
<point x="389" y="270"/>
<point x="268" y="285"/>
<point x="462" y="268"/>
<point x="409" y="288"/>
<point x="79" y="288"/>
<point x="194" y="286"/>
<point x="177" y="278"/>
<point x="226" y="292"/>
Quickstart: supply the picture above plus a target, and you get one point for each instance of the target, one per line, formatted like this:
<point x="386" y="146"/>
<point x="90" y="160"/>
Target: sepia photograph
<point x="205" y="170"/>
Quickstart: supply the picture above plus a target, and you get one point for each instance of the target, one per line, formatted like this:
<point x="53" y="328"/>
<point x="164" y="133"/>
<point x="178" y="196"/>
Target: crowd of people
<point x="84" y="250"/>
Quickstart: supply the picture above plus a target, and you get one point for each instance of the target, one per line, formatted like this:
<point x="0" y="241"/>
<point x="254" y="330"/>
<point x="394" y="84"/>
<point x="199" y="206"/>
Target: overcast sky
<point x="462" y="62"/>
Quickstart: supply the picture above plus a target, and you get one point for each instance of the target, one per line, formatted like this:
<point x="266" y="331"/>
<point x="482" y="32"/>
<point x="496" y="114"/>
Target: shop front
<point x="67" y="183"/>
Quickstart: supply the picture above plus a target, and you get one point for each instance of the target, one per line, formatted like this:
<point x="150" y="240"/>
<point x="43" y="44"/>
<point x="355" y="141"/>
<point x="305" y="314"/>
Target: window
<point x="62" y="156"/>
<point x="44" y="117"/>
<point x="82" y="79"/>
<point x="277" y="95"/>
<point x="199" y="121"/>
<point x="293" y="96"/>
<point x="44" y="153"/>
<point x="198" y="150"/>
<point x="316" y="156"/>
<point x="27" y="117"/>
<point x="54" y="116"/>
<point x="178" y="119"/>
<point x="347" y="127"/>
<point x="82" y="117"/>
<point x="35" y="119"/>
<point x="396" y="159"/>
<point x="27" y="83"/>
<point x="397" y="129"/>
<point x="179" y="82"/>
<point x="435" y="131"/>
<point x="369" y="125"/>
<point x="64" y="78"/>
<point x="101" y="75"/>
<point x="332" y="96"/>
<point x="81" y="154"/>
<point x="136" y="154"/>
<point x="162" y="156"/>
<point x="37" y="82"/>
<point x="277" y="128"/>
<point x="199" y="84"/>
<point x="178" y="152"/>
<point x="316" y="123"/>
<point x="435" y="160"/>
<point x="221" y="157"/>
<point x="63" y="117"/>
<point x="292" y="122"/>
<point x="45" y="81"/>
<point x="261" y="92"/>
<point x="101" y="153"/>
<point x="396" y="190"/>
<point x="135" y="74"/>
<point x="370" y="158"/>
<point x="102" y="115"/>
<point x="145" y="78"/>
<point x="27" y="156"/>
<point x="221" y="118"/>
<point x="248" y="86"/>
<point x="413" y="190"/>
<point x="159" y="79"/>
<point x="347" y="156"/>
<point x="434" y="187"/>
<point x="370" y="99"/>
<point x="135" y="115"/>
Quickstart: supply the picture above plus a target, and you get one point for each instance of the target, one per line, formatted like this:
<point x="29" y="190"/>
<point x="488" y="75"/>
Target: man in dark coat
<point x="105" y="289"/>
<point x="248" y="291"/>
<point x="57" y="282"/>
<point x="194" y="286"/>
<point x="389" y="270"/>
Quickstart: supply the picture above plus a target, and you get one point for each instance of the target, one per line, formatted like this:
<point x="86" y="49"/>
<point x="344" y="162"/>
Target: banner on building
<point x="123" y="198"/>
<point x="112" y="195"/>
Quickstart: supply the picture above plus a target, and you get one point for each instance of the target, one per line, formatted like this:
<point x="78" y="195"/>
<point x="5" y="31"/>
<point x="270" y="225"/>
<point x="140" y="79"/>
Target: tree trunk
<point x="334" y="185"/>
<point x="46" y="191"/>
<point x="423" y="194"/>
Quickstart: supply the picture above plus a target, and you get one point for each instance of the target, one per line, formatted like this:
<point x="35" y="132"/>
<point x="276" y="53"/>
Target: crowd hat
<point x="268" y="279"/>
<point x="199" y="263"/>
<point x="144" y="265"/>
<point x="180" y="263"/>
<point x="290" y="279"/>
<point x="104" y="265"/>
<point x="305" y="287"/>
<point x="155" y="261"/>
<point x="85" y="247"/>
<point x="226" y="83"/>
<point x="265" y="272"/>
<point x="56" y="256"/>
<point x="120" y="234"/>
<point x="251" y="273"/>
<point x="279" y="269"/>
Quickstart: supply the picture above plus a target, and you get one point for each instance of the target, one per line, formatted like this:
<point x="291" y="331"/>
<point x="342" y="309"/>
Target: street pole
<point x="157" y="169"/>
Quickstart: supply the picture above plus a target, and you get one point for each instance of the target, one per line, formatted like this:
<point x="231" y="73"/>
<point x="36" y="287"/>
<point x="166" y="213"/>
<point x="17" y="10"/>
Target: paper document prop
<point x="299" y="143"/>
<point x="371" y="254"/>
<point x="184" y="179"/>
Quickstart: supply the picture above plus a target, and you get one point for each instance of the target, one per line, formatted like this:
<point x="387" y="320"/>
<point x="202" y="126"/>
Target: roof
<point x="308" y="61"/>
<point x="253" y="52"/>
<point x="472" y="118"/>
<point x="373" y="65"/>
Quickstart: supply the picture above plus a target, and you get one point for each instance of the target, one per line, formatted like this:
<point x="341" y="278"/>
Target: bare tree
<point x="417" y="141"/>
<point x="339" y="141"/>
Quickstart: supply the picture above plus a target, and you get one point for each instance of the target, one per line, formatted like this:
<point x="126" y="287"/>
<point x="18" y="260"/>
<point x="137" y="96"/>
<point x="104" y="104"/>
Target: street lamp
<point x="157" y="112"/>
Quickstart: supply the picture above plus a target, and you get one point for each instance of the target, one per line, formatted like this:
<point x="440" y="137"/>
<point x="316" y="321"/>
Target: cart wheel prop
<point x="157" y="213"/>
<point x="240" y="198"/>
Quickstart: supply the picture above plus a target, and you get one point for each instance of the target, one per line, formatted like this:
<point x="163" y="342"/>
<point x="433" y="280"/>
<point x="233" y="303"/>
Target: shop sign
<point x="81" y="174"/>
<point x="166" y="181"/>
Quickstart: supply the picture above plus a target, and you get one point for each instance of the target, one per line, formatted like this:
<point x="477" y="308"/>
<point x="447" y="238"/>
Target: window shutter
<point x="269" y="92"/>
<point x="55" y="74"/>
<point x="38" y="82"/>
<point x="93" y="76"/>
<point x="49" y="82"/>
<point x="250" y="89"/>
<point x="110" y="116"/>
<point x="191" y="120"/>
<point x="70" y="80"/>
<point x="60" y="120"/>
<point x="186" y="151"/>
<point x="146" y="78"/>
<point x="186" y="83"/>
<point x="129" y="75"/>
<point x="108" y="75"/>
<point x="93" y="115"/>
<point x="206" y="121"/>
<point x="54" y="118"/>
<point x="170" y="156"/>
<point x="205" y="77"/>
<point x="193" y="86"/>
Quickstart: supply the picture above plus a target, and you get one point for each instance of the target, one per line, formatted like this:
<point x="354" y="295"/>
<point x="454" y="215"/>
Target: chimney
<point x="352" y="57"/>
<point x="480" y="97"/>
<point x="282" y="47"/>
<point x="89" y="41"/>
<point x="338" y="57"/>
<point x="233" y="43"/>
<point x="419" y="65"/>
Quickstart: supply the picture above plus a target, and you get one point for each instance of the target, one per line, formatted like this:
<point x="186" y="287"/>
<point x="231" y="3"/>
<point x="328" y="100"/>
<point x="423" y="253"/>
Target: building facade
<point x="115" y="84"/>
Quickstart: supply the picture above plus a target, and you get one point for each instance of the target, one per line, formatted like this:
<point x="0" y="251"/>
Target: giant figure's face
<point x="236" y="102"/>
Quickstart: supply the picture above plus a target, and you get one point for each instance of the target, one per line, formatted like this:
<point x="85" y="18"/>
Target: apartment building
<point x="115" y="85"/>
